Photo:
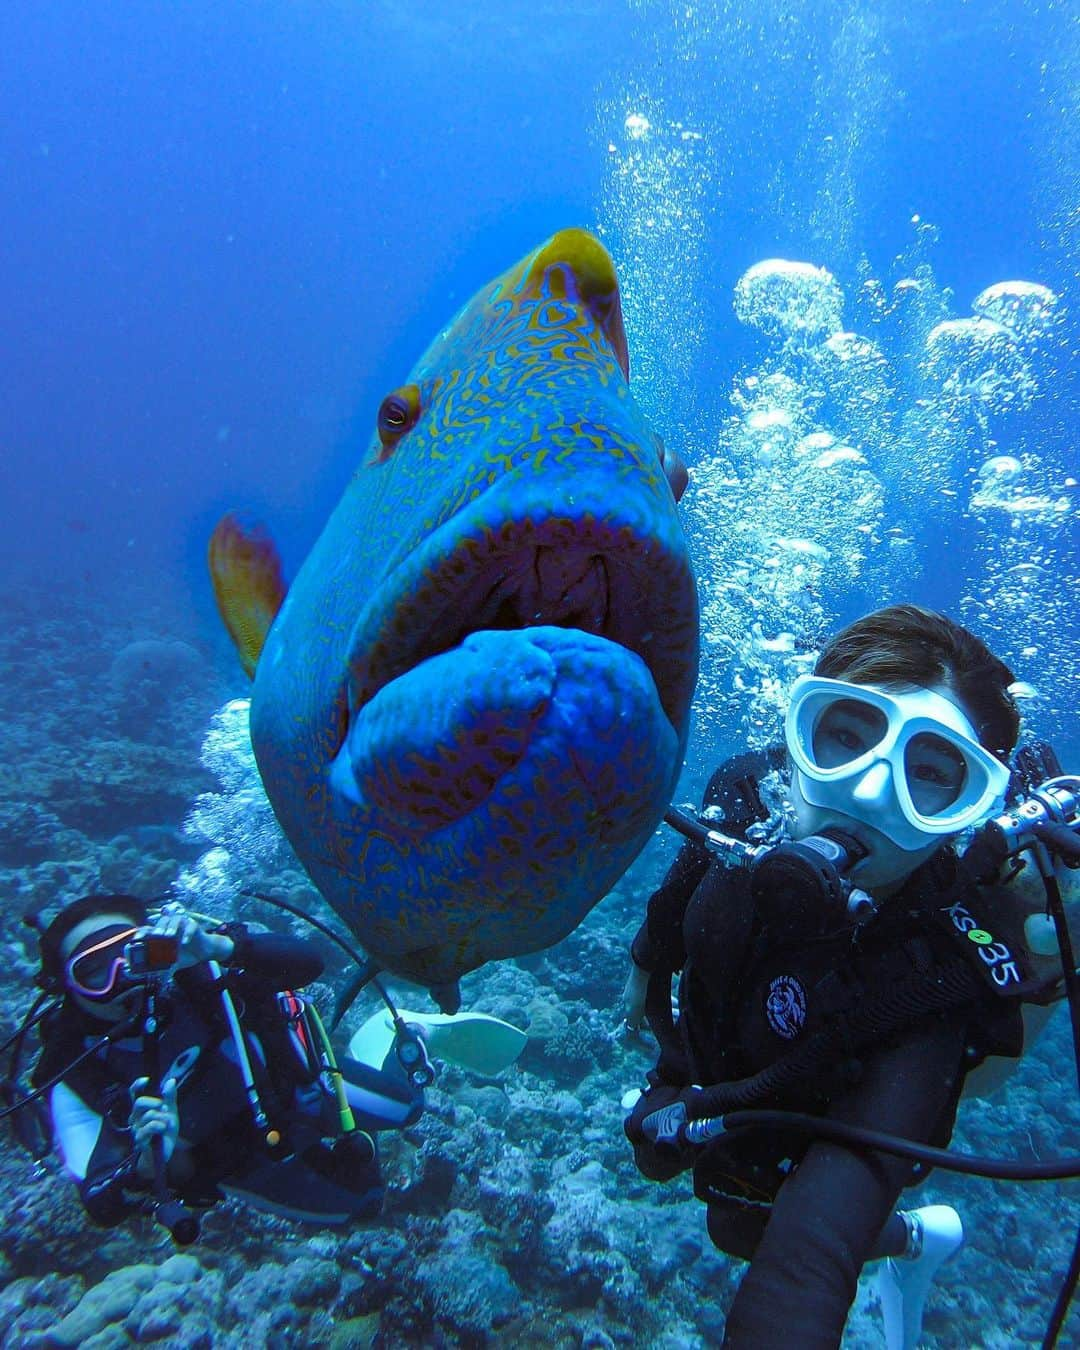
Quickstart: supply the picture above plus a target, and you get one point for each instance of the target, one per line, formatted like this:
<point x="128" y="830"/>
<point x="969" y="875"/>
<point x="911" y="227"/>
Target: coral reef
<point x="514" y="1214"/>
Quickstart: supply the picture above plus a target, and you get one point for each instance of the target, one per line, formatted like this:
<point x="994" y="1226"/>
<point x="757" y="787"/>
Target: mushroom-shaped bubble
<point x="1002" y="484"/>
<point x="839" y="454"/>
<point x="1028" y="310"/>
<point x="792" y="300"/>
<point x="979" y="361"/>
<point x="999" y="478"/>
<point x="1001" y="469"/>
<point x="814" y="442"/>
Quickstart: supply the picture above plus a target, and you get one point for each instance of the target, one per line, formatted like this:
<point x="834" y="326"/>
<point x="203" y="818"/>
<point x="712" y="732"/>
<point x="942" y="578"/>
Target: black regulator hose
<point x="366" y="968"/>
<point x="118" y="1033"/>
<point x="687" y="826"/>
<point x="970" y="1164"/>
<point x="167" y="1208"/>
<point x="955" y="984"/>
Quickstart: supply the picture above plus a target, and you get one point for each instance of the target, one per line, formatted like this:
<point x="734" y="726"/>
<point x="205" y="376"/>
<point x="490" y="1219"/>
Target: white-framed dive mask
<point x="905" y="762"/>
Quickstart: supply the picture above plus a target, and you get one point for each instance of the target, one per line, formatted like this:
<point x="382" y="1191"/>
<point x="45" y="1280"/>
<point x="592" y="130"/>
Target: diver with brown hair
<point x="851" y="967"/>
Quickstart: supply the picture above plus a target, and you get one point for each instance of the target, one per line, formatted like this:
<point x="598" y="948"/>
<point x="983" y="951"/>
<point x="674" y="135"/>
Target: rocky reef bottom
<point x="515" y="1215"/>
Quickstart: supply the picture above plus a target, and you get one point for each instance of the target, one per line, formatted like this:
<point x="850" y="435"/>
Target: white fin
<point x="903" y="1283"/>
<point x="476" y="1041"/>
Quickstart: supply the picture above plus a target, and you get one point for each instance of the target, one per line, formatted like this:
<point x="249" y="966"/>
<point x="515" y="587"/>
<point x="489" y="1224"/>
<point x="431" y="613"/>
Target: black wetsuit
<point x="807" y="1215"/>
<point x="219" y="1141"/>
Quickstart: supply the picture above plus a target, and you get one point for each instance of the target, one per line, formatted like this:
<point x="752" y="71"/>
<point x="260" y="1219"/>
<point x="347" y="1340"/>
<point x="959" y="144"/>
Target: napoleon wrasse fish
<point x="471" y="707"/>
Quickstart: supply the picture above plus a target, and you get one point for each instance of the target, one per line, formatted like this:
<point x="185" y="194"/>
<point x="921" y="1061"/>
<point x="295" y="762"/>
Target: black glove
<point x="987" y="853"/>
<point x="659" y="1154"/>
<point x="1032" y="765"/>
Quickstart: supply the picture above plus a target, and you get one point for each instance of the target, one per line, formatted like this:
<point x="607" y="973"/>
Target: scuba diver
<point x="180" y="1066"/>
<point x="847" y="964"/>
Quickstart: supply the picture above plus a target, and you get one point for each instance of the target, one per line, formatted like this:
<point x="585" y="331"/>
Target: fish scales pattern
<point x="471" y="710"/>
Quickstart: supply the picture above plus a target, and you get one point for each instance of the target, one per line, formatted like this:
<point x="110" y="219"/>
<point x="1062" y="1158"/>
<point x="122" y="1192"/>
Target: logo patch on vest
<point x="785" y="1006"/>
<point x="1000" y="962"/>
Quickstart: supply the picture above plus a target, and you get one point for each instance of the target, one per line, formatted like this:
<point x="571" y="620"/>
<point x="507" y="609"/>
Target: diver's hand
<point x="1060" y="841"/>
<point x="990" y="849"/>
<point x="195" y="943"/>
<point x="153" y="1117"/>
<point x="633" y="998"/>
<point x="986" y="855"/>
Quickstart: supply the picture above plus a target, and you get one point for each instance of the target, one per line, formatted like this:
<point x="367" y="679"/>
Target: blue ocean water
<point x="231" y="228"/>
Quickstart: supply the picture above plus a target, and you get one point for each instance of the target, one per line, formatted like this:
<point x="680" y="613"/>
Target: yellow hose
<point x="348" y="1121"/>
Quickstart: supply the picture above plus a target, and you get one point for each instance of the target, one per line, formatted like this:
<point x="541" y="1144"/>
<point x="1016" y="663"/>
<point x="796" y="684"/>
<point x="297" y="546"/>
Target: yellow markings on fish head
<point x="574" y="265"/>
<point x="491" y="394"/>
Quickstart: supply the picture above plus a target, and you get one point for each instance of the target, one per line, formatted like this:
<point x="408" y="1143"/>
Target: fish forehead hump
<point x="527" y="381"/>
<point x="566" y="288"/>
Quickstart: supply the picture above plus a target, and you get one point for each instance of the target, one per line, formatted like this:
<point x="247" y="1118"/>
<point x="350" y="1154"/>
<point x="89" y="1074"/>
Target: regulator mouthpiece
<point x="802" y="885"/>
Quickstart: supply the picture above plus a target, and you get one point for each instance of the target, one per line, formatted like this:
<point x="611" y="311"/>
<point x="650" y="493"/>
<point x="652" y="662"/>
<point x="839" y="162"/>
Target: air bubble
<point x="792" y="299"/>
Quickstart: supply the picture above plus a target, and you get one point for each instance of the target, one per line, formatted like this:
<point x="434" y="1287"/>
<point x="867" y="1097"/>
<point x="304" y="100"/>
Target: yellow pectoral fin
<point x="248" y="586"/>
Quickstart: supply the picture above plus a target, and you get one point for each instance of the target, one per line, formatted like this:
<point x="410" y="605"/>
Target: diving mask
<point x="907" y="763"/>
<point x="98" y="968"/>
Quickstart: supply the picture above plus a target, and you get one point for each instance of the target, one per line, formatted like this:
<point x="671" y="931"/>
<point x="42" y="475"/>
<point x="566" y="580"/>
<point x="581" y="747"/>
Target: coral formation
<point x="515" y="1215"/>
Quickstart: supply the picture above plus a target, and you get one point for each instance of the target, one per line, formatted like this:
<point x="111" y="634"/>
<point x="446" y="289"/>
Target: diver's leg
<point x="380" y="1100"/>
<point x="830" y="1211"/>
<point x="736" y="1228"/>
<point x="893" y="1239"/>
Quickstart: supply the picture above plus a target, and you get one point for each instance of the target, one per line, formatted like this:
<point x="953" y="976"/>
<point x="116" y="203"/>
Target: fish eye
<point x="394" y="414"/>
<point x="398" y="413"/>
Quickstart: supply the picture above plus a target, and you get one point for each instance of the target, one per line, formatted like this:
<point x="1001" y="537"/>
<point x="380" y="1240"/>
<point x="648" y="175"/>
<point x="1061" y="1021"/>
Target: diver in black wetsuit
<point x="865" y="1012"/>
<point x="249" y="1099"/>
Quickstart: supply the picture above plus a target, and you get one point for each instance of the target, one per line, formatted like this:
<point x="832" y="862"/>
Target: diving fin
<point x="903" y="1283"/>
<point x="477" y="1041"/>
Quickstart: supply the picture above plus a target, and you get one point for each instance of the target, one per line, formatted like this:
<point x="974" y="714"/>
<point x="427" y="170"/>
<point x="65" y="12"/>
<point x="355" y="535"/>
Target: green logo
<point x="980" y="936"/>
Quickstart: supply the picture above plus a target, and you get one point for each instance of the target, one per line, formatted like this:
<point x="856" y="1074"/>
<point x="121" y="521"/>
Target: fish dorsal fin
<point x="248" y="586"/>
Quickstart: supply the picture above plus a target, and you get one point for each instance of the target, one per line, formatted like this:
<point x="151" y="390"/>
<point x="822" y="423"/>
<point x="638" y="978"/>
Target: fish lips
<point x="512" y="562"/>
<point x="511" y="720"/>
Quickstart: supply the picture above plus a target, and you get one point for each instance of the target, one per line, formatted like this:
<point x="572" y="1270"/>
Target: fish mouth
<point x="591" y="574"/>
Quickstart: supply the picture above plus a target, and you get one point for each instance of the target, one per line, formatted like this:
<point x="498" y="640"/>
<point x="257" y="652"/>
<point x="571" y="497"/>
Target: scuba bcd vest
<point x="793" y="1011"/>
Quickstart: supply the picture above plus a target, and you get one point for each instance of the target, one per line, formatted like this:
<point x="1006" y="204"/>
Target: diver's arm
<point x="97" y="1155"/>
<point x="828" y="1215"/>
<point x="732" y="803"/>
<point x="659" y="941"/>
<point x="1040" y="939"/>
<point x="76" y="1129"/>
<point x="659" y="944"/>
<point x="272" y="959"/>
<point x="268" y="958"/>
